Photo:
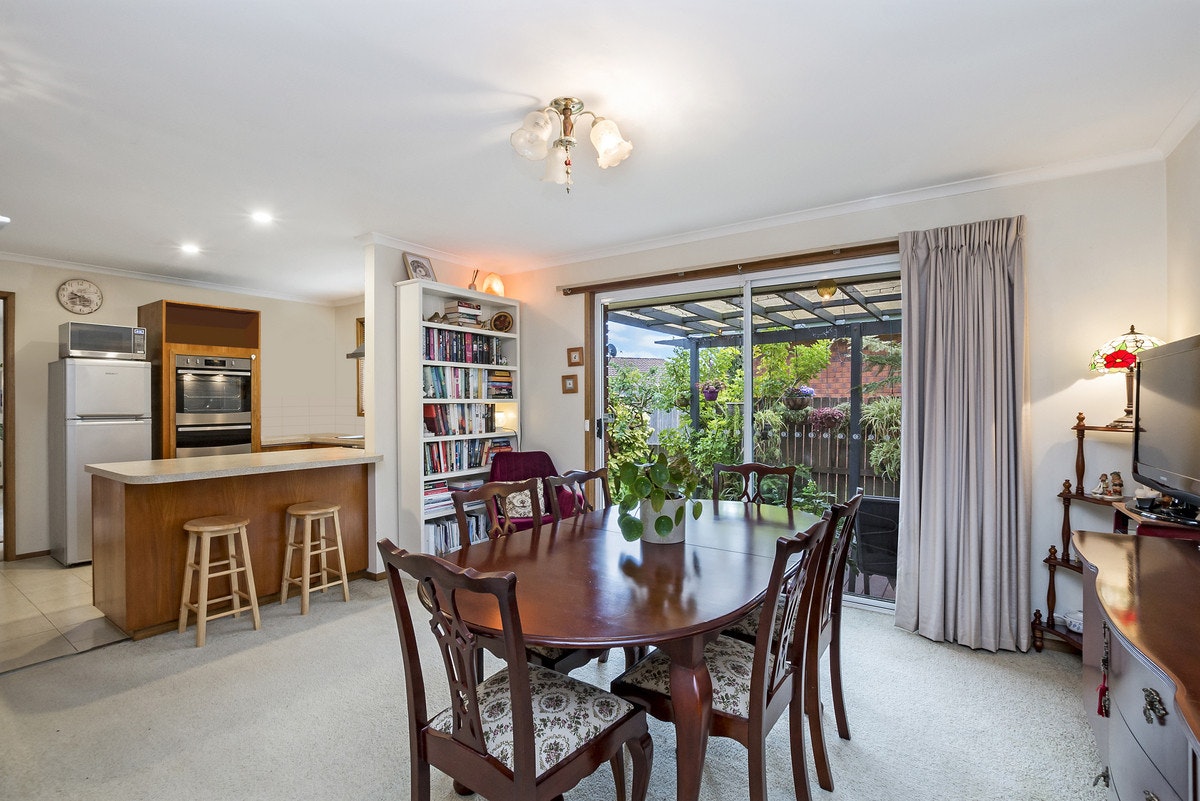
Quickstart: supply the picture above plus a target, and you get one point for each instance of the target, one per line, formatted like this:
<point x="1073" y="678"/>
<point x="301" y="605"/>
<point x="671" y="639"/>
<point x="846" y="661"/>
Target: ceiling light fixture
<point x="827" y="288"/>
<point x="189" y="248"/>
<point x="533" y="139"/>
<point x="263" y="217"/>
<point x="4" y="221"/>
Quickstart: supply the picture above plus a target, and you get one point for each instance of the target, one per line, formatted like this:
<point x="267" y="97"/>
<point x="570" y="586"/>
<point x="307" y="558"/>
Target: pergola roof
<point x="774" y="310"/>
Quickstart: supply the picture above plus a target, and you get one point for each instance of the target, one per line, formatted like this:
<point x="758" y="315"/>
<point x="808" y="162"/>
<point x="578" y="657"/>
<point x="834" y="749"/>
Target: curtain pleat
<point x="963" y="573"/>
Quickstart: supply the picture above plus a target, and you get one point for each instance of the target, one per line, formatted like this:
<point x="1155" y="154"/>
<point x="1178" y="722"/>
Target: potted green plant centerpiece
<point x="653" y="498"/>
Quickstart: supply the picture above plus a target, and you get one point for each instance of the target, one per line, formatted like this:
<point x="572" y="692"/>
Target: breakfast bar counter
<point x="139" y="508"/>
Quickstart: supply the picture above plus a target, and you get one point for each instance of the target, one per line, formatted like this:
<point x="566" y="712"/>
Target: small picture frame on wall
<point x="419" y="267"/>
<point x="574" y="357"/>
<point x="570" y="384"/>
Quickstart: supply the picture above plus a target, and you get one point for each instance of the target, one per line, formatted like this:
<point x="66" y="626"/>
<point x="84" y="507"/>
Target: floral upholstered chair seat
<point x="730" y="663"/>
<point x="567" y="713"/>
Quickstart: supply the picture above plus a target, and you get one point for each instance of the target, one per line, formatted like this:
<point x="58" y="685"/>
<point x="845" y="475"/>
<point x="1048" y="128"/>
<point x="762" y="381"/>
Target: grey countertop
<point x="165" y="471"/>
<point x="339" y="440"/>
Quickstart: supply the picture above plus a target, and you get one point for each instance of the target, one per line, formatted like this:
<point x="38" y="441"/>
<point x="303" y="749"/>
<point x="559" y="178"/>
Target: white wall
<point x="1183" y="237"/>
<point x="1096" y="261"/>
<point x="303" y="357"/>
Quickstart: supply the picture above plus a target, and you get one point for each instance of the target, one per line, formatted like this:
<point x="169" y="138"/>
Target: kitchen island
<point x="139" y="508"/>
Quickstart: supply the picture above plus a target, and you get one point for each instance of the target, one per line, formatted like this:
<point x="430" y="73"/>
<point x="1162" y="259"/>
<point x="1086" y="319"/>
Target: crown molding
<point x="84" y="267"/>
<point x="1002" y="180"/>
<point x="1179" y="127"/>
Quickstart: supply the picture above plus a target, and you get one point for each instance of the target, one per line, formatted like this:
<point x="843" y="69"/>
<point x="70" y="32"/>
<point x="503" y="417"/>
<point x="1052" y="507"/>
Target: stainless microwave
<point x="96" y="341"/>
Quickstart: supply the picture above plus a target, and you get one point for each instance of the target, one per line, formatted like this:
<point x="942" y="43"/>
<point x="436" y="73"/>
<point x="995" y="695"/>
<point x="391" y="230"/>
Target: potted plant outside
<point x="798" y="397"/>
<point x="653" y="498"/>
<point x="709" y="389"/>
<point x="826" y="419"/>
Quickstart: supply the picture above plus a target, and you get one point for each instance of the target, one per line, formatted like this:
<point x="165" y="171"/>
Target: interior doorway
<point x="8" y="545"/>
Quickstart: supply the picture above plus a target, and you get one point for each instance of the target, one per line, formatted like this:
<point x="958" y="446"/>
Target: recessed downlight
<point x="190" y="248"/>
<point x="262" y="217"/>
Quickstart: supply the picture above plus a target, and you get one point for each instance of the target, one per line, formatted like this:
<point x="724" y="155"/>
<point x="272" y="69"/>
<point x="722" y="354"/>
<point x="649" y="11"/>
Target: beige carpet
<point x="313" y="708"/>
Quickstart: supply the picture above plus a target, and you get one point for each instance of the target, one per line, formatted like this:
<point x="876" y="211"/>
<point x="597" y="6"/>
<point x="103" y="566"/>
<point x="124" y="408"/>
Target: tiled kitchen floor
<point x="46" y="612"/>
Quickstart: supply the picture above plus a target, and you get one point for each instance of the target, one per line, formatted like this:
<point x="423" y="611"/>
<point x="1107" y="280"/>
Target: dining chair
<point x="752" y="474"/>
<point x="829" y="638"/>
<point x="573" y="484"/>
<point x="524" y="732"/>
<point x="495" y="498"/>
<point x="752" y="684"/>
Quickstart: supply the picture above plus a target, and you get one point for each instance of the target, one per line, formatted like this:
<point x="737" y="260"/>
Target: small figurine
<point x="1116" y="484"/>
<point x="1101" y="489"/>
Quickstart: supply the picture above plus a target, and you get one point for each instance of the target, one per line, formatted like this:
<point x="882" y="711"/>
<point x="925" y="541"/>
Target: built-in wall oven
<point x="213" y="396"/>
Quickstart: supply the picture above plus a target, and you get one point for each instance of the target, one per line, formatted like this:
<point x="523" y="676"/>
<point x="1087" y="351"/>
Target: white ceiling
<point x="129" y="126"/>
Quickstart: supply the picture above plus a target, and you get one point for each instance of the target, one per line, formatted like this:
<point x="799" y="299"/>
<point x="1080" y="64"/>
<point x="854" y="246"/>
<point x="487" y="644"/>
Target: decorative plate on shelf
<point x="501" y="321"/>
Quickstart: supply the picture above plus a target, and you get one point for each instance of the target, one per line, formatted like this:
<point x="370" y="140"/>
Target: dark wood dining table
<point x="580" y="584"/>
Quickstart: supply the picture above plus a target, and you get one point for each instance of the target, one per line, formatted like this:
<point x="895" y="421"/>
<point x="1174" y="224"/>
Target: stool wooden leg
<point x="234" y="569"/>
<point x="202" y="597"/>
<point x="288" y="553"/>
<point x="337" y="530"/>
<point x="188" y="573"/>
<point x="306" y="561"/>
<point x="250" y="579"/>
<point x="323" y="550"/>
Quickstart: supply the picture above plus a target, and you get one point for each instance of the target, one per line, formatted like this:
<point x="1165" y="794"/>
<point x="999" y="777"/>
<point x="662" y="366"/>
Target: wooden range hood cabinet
<point x="176" y="328"/>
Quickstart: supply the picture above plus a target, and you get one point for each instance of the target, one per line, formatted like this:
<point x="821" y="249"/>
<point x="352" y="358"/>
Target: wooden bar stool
<point x="202" y="531"/>
<point x="313" y="542"/>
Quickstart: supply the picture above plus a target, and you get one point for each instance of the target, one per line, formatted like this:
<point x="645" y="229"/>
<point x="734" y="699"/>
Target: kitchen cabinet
<point x="174" y="328"/>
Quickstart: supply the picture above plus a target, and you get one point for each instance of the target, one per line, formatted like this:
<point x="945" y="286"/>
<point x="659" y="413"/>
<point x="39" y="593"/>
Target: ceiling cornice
<point x="1016" y="178"/>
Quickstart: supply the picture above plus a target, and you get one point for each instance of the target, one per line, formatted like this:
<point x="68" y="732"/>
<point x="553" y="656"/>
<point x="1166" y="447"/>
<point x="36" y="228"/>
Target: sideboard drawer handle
<point x="1154" y="708"/>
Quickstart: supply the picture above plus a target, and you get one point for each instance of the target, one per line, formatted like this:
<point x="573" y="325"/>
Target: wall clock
<point x="80" y="296"/>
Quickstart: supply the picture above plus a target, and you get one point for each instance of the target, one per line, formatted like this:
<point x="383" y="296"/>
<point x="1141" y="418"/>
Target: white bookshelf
<point x="451" y="400"/>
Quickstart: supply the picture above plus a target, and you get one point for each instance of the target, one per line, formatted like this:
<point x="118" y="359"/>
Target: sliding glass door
<point x="784" y="370"/>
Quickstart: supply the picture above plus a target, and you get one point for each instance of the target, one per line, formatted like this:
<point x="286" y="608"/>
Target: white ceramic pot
<point x="648" y="515"/>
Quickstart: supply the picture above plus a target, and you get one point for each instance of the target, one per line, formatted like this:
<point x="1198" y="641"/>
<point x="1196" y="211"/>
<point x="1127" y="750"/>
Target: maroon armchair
<point x="524" y="465"/>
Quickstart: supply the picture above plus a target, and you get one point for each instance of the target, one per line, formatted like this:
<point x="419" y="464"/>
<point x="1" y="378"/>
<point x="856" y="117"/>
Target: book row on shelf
<point x="461" y="346"/>
<point x="466" y="383"/>
<point x="437" y="500"/>
<point x="451" y="457"/>
<point x="442" y="535"/>
<point x="449" y="419"/>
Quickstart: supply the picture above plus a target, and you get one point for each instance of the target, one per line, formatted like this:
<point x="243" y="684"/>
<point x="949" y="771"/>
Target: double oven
<point x="213" y="396"/>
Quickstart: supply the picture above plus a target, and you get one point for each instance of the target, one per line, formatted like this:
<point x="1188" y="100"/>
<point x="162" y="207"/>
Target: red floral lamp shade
<point x="1121" y="353"/>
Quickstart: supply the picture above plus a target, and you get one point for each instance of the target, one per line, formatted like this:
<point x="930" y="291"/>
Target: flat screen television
<point x="1166" y="435"/>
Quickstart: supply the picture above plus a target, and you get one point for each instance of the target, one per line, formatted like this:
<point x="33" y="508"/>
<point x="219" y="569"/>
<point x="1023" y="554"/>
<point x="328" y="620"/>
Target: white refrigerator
<point x="99" y="412"/>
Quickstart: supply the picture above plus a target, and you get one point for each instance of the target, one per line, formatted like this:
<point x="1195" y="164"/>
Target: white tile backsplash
<point x="283" y="417"/>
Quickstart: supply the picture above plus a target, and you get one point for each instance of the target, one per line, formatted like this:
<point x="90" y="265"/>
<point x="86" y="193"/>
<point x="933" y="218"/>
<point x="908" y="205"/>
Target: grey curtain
<point x="963" y="573"/>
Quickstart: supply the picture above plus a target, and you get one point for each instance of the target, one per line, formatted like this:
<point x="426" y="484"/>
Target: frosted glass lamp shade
<point x="556" y="166"/>
<point x="611" y="148"/>
<point x="532" y="139"/>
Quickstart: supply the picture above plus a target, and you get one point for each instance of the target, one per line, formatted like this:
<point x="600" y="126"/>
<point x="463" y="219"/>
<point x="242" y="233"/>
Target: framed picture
<point x="419" y="267"/>
<point x="574" y="357"/>
<point x="570" y="384"/>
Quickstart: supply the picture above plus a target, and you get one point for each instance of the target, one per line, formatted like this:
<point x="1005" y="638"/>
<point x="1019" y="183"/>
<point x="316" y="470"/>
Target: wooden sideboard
<point x="1141" y="641"/>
